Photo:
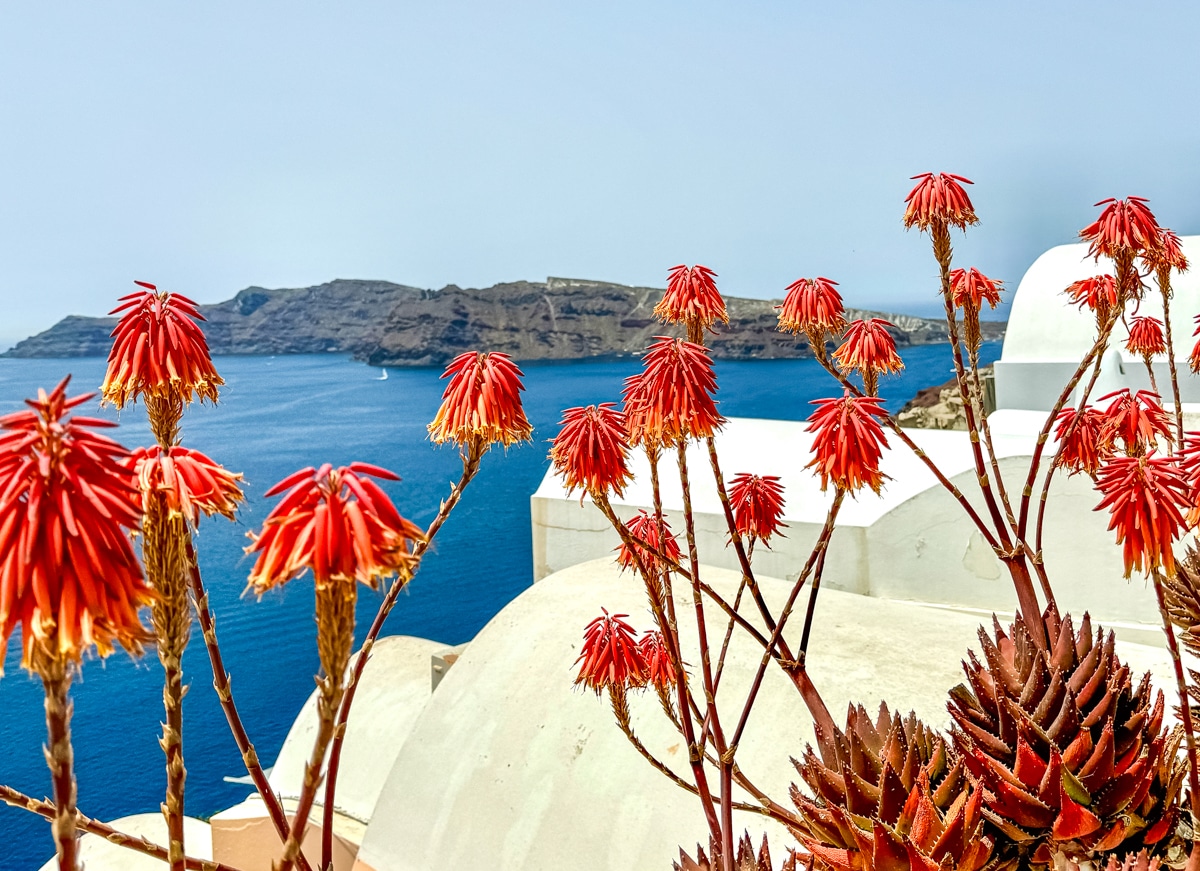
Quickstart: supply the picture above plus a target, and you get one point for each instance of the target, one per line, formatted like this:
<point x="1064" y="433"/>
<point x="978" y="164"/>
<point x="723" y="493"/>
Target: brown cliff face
<point x="396" y="325"/>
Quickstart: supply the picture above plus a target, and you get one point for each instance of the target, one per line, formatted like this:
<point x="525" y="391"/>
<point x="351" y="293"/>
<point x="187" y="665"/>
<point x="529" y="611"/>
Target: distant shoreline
<point x="386" y="324"/>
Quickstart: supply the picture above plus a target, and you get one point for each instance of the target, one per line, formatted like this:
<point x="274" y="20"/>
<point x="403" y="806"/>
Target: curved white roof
<point x="1043" y="326"/>
<point x="394" y="689"/>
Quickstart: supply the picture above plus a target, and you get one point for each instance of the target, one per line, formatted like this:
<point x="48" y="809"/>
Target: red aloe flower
<point x="671" y="399"/>
<point x="191" y="481"/>
<point x="1098" y="293"/>
<point x="1124" y="227"/>
<point x="159" y="351"/>
<point x="1189" y="464"/>
<point x="971" y="288"/>
<point x="812" y="306"/>
<point x="660" y="671"/>
<point x="644" y="527"/>
<point x="869" y="348"/>
<point x="1146" y="337"/>
<point x="482" y="401"/>
<point x="848" y="441"/>
<point x="1167" y="255"/>
<point x="1194" y="357"/>
<point x="1147" y="497"/>
<point x="590" y="450"/>
<point x="1137" y="421"/>
<point x="1082" y="440"/>
<point x="939" y="200"/>
<point x="692" y="298"/>
<point x="68" y="573"/>
<point x="336" y="522"/>
<point x="757" y="503"/>
<point x="610" y="655"/>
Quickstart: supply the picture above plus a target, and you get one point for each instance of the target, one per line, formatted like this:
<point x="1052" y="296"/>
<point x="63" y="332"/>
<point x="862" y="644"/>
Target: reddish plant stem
<point x="60" y="757"/>
<point x="1185" y="708"/>
<point x="804" y="685"/>
<point x="1012" y="557"/>
<point x="649" y="574"/>
<point x="948" y="485"/>
<point x="667" y="566"/>
<point x="471" y="457"/>
<point x="1039" y="523"/>
<point x="768" y="808"/>
<point x="84" y="823"/>
<point x="221" y="683"/>
<point x="165" y="541"/>
<point x="1164" y="285"/>
<point x="737" y="601"/>
<point x="738" y="546"/>
<point x="335" y="602"/>
<point x="687" y="705"/>
<point x="986" y="430"/>
<point x="940" y="235"/>
<point x="712" y="719"/>
<point x="820" y="712"/>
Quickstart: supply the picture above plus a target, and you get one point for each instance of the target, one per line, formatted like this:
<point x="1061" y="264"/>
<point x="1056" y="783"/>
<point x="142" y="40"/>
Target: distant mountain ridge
<point x="388" y="324"/>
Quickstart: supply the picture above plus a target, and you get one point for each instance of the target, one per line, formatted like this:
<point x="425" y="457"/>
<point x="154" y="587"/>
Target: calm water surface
<point x="279" y="414"/>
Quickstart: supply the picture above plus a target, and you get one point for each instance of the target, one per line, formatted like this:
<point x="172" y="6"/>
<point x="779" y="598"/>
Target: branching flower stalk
<point x="471" y="455"/>
<point x="341" y="526"/>
<point x="1164" y="258"/>
<point x="224" y="690"/>
<point x="161" y="355"/>
<point x="1094" y="358"/>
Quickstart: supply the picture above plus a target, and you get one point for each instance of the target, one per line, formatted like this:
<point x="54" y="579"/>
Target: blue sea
<point x="279" y="414"/>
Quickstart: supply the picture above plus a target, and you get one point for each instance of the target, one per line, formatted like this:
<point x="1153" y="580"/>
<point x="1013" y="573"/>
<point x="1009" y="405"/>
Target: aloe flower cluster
<point x="1059" y="756"/>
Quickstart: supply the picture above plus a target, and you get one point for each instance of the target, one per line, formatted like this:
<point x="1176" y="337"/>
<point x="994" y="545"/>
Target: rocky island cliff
<point x="389" y="324"/>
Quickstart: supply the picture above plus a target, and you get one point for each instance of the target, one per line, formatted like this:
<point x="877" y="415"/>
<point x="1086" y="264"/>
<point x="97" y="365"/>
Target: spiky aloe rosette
<point x="745" y="858"/>
<point x="1072" y="757"/>
<point x="1182" y="595"/>
<point x="890" y="795"/>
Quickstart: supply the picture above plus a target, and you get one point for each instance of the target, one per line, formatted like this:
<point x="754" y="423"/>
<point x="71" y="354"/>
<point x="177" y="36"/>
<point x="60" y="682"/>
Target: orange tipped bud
<point x="971" y="289"/>
<point x="1146" y="497"/>
<point x="848" y="441"/>
<point x="939" y="199"/>
<point x="337" y="523"/>
<point x="644" y="527"/>
<point x="590" y="451"/>
<point x="869" y="348"/>
<point x="813" y="306"/>
<point x="692" y="298"/>
<point x="1124" y="227"/>
<point x="159" y="351"/>
<point x="482" y="401"/>
<point x="193" y="484"/>
<point x="757" y="503"/>
<point x="671" y="400"/>
<point x="68" y="573"/>
<point x="1146" y="337"/>
<point x="610" y="656"/>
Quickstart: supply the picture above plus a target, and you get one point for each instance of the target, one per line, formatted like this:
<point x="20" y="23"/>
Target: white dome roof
<point x="394" y="689"/>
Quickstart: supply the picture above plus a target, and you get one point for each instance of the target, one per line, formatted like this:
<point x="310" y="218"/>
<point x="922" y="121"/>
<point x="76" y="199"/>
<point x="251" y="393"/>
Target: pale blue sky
<point x="208" y="147"/>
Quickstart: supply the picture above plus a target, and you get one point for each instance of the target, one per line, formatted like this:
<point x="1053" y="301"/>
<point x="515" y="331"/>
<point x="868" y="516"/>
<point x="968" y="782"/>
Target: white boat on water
<point x="382" y="375"/>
